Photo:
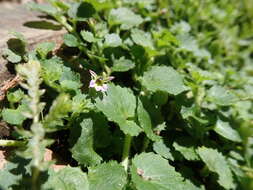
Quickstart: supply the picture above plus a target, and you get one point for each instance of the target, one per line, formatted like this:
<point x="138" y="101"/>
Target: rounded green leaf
<point x="124" y="17"/>
<point x="119" y="106"/>
<point x="141" y="38"/>
<point x="217" y="163"/>
<point x="107" y="176"/>
<point x="67" y="178"/>
<point x="163" y="78"/>
<point x="70" y="40"/>
<point x="88" y="36"/>
<point x="150" y="171"/>
<point x="122" y="65"/>
<point x="112" y="40"/>
<point x="12" y="116"/>
<point x="221" y="96"/>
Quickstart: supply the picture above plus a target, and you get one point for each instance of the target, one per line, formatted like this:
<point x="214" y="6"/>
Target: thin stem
<point x="12" y="143"/>
<point x="35" y="176"/>
<point x="145" y="144"/>
<point x="126" y="151"/>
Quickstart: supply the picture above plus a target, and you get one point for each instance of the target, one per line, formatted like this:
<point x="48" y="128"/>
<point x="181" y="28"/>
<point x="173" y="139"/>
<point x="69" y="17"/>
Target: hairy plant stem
<point x="31" y="73"/>
<point x="126" y="151"/>
<point x="12" y="143"/>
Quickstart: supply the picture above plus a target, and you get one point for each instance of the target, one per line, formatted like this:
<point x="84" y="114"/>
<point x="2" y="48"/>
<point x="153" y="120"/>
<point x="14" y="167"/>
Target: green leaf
<point x="70" y="85"/>
<point x="217" y="163"/>
<point x="52" y="71"/>
<point x="150" y="171"/>
<point x="102" y="135"/>
<point x="15" y="96"/>
<point x="224" y="129"/>
<point x="186" y="146"/>
<point x="60" y="77"/>
<point x="220" y="96"/>
<point x="119" y="105"/>
<point x="165" y="38"/>
<point x="20" y="37"/>
<point x="68" y="178"/>
<point x="48" y="9"/>
<point x="70" y="40"/>
<point x="69" y="80"/>
<point x="69" y="75"/>
<point x="11" y="56"/>
<point x="64" y="6"/>
<point x="163" y="150"/>
<point x="58" y="111"/>
<point x="81" y="11"/>
<point x="80" y="104"/>
<point x="44" y="48"/>
<point x="7" y="178"/>
<point x="88" y="36"/>
<point x="82" y="150"/>
<point x="160" y="98"/>
<point x="145" y="122"/>
<point x="101" y="4"/>
<point x="124" y="17"/>
<point x="13" y="116"/>
<point x="130" y="127"/>
<point x="112" y="40"/>
<point x="122" y="65"/>
<point x="141" y="38"/>
<point x="107" y="176"/>
<point x="163" y="78"/>
<point x="12" y="172"/>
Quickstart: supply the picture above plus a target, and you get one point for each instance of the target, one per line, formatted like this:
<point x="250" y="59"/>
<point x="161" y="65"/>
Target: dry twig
<point x="8" y="85"/>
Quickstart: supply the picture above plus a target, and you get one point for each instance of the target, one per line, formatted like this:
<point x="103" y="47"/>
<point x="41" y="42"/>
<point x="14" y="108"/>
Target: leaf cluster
<point x="177" y="115"/>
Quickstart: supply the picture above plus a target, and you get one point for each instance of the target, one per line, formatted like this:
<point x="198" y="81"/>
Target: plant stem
<point x="126" y="151"/>
<point x="12" y="143"/>
<point x="145" y="144"/>
<point x="35" y="176"/>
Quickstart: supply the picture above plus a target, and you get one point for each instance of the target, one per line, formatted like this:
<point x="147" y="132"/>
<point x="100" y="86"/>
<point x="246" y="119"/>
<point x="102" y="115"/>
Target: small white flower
<point x="99" y="83"/>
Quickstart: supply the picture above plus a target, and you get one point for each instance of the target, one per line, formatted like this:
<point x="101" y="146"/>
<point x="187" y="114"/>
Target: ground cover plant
<point x="142" y="95"/>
